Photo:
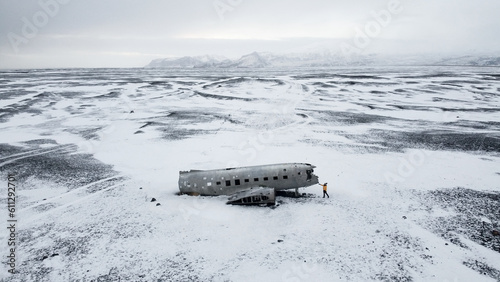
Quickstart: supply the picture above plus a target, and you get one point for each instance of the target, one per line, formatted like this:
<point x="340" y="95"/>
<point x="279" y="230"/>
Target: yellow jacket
<point x="324" y="187"/>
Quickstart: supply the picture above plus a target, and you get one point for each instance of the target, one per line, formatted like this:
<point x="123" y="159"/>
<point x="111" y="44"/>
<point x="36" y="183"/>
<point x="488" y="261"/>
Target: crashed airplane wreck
<point x="253" y="185"/>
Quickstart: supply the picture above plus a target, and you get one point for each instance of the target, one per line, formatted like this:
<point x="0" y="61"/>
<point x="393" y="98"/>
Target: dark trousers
<point x="325" y="193"/>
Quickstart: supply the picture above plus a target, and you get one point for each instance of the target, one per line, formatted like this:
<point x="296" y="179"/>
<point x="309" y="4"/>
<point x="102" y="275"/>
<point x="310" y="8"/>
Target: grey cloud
<point x="149" y="28"/>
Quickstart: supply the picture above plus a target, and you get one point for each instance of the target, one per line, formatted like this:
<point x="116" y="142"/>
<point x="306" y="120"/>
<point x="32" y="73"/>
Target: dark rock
<point x="153" y="200"/>
<point x="157" y="204"/>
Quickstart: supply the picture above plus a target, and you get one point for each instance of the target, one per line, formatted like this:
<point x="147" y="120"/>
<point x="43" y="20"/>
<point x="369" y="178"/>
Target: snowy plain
<point x="411" y="156"/>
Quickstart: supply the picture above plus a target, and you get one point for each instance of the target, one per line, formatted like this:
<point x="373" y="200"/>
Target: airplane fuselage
<point x="232" y="180"/>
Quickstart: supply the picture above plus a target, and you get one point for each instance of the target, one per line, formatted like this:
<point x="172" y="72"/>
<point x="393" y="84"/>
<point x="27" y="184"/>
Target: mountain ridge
<point x="320" y="59"/>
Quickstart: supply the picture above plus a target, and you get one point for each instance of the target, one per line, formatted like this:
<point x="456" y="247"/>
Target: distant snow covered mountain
<point x="319" y="59"/>
<point x="258" y="60"/>
<point x="253" y="60"/>
<point x="189" y="62"/>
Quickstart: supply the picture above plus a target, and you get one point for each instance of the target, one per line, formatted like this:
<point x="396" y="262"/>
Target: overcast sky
<point x="126" y="33"/>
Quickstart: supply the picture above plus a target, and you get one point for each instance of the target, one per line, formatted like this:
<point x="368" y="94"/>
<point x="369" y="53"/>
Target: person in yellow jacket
<point x="324" y="190"/>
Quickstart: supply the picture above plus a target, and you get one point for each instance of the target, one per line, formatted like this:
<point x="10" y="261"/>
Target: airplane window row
<point x="256" y="179"/>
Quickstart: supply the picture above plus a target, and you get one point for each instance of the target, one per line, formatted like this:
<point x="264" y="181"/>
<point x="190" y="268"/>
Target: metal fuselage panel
<point x="231" y="180"/>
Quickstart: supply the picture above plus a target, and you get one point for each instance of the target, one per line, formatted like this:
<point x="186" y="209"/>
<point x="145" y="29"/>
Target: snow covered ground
<point x="411" y="156"/>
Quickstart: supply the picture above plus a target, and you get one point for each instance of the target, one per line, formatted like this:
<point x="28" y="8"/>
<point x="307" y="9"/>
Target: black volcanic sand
<point x="435" y="140"/>
<point x="472" y="215"/>
<point x="475" y="215"/>
<point x="421" y="136"/>
<point x="58" y="164"/>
